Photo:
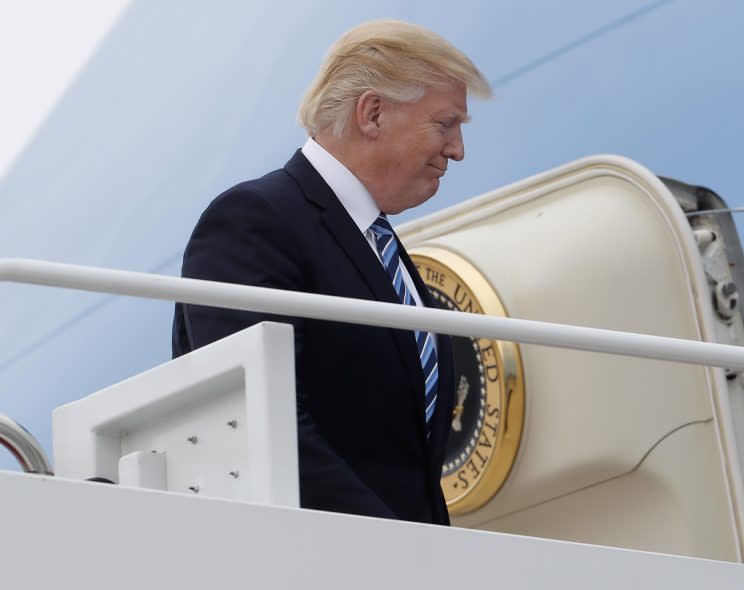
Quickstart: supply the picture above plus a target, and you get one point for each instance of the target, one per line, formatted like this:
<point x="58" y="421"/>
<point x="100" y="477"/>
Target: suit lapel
<point x="341" y="226"/>
<point x="346" y="233"/>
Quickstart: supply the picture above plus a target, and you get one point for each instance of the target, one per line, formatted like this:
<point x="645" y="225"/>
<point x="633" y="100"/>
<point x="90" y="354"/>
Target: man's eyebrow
<point x="460" y="116"/>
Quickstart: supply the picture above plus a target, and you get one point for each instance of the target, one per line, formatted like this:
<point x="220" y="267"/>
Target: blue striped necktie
<point x="387" y="246"/>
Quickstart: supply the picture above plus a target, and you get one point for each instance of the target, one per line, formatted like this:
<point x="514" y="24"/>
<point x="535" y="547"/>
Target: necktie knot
<point x="387" y="246"/>
<point x="381" y="226"/>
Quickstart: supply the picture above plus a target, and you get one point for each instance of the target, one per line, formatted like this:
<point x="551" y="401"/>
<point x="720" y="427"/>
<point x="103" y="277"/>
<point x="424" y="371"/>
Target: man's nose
<point x="454" y="149"/>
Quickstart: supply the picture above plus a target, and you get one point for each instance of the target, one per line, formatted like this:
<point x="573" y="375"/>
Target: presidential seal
<point x="489" y="386"/>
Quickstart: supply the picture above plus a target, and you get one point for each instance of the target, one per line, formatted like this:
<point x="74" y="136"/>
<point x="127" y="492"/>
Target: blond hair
<point x="395" y="59"/>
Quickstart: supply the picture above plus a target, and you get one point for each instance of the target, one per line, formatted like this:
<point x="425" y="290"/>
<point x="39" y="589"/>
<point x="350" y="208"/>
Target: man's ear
<point x="368" y="114"/>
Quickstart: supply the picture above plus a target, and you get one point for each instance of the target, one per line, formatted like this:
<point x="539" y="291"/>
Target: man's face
<point x="416" y="142"/>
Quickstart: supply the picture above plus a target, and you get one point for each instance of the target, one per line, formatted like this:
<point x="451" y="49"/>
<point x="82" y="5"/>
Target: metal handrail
<point x="371" y="313"/>
<point x="23" y="446"/>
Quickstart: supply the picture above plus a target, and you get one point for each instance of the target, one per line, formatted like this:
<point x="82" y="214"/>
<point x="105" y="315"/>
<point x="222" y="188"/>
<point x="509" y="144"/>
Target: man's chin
<point x="427" y="194"/>
<point x="422" y="196"/>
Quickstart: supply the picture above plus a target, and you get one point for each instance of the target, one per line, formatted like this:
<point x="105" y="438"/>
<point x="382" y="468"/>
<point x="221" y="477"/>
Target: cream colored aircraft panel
<point x="655" y="508"/>
<point x="596" y="247"/>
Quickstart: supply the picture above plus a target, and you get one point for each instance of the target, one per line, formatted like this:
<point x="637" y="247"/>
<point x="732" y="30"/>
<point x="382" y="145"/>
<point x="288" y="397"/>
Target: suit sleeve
<point x="243" y="238"/>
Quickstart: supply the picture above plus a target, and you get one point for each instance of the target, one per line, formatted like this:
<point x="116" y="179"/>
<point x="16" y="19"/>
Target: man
<point x="374" y="405"/>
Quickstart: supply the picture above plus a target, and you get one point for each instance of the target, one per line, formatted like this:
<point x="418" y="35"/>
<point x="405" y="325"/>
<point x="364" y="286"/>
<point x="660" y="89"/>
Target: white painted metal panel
<point x="224" y="416"/>
<point x="93" y="535"/>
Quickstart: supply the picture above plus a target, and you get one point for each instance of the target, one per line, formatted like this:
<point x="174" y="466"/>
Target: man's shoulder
<point x="272" y="206"/>
<point x="274" y="195"/>
<point x="276" y="187"/>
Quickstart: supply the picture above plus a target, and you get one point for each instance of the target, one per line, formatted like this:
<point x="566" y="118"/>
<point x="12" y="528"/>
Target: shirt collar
<point x="350" y="191"/>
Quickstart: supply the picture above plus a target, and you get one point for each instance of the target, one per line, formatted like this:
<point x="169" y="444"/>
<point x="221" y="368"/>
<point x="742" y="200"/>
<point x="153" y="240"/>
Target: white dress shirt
<point x="354" y="197"/>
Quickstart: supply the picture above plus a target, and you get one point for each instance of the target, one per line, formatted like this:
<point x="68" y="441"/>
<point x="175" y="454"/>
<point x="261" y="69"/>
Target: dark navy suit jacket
<point x="360" y="389"/>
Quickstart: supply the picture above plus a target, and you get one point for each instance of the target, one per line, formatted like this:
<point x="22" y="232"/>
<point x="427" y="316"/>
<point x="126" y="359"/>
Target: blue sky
<point x="183" y="99"/>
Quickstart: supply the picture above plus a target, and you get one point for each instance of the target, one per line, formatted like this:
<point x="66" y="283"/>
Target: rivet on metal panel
<point x="233" y="423"/>
<point x="235" y="474"/>
<point x="193" y="440"/>
<point x="194" y="489"/>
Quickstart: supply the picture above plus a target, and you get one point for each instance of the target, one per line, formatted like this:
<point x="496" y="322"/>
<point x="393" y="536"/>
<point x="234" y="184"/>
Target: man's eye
<point x="445" y="124"/>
